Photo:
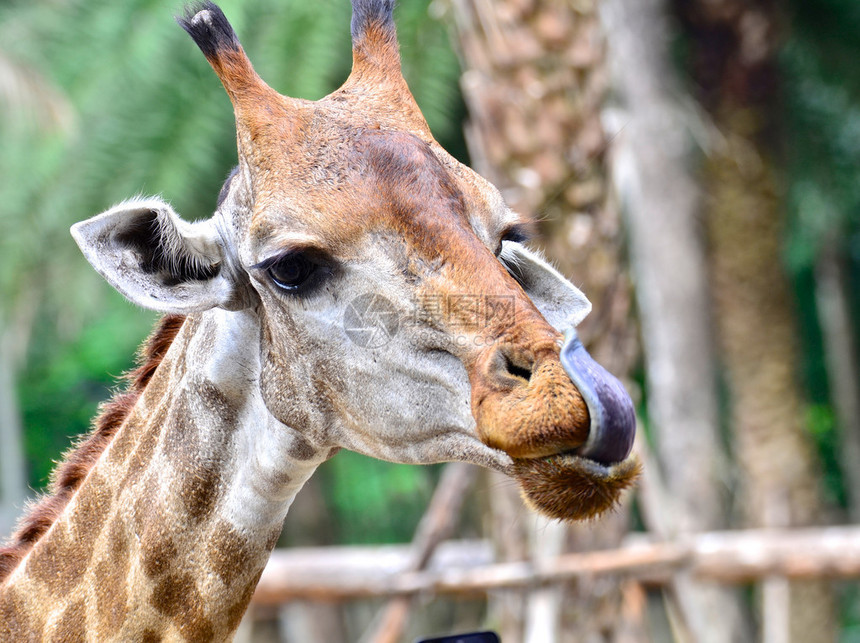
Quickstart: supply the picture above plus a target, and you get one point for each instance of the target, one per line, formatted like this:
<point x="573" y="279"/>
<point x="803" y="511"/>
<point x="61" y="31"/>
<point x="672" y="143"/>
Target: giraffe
<point x="162" y="519"/>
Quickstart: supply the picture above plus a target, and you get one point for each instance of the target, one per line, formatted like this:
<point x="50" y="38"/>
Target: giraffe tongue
<point x="613" y="420"/>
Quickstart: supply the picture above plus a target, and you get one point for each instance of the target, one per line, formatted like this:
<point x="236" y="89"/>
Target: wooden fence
<point x="468" y="567"/>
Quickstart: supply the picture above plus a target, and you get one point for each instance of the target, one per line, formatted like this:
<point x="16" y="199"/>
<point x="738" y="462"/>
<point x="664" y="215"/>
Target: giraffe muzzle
<point x="613" y="419"/>
<point x="585" y="482"/>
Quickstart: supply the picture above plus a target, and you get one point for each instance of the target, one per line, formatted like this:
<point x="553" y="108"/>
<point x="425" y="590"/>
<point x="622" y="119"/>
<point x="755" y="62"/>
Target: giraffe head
<point x="399" y="313"/>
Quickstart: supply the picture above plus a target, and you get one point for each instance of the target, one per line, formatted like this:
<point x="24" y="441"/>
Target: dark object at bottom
<point x="473" y="637"/>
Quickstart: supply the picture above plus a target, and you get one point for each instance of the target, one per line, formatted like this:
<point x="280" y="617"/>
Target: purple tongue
<point x="613" y="421"/>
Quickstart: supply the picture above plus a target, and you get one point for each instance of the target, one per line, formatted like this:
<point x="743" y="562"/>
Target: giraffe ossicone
<point x="162" y="520"/>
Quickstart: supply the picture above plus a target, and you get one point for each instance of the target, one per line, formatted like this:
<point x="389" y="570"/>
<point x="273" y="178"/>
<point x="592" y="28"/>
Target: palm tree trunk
<point x="733" y="48"/>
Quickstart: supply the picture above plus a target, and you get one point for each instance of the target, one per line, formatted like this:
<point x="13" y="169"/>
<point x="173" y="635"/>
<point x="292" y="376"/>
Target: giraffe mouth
<point x="568" y="486"/>
<point x="586" y="482"/>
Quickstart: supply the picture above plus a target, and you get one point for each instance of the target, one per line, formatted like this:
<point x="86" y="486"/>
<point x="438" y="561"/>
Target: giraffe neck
<point x="170" y="530"/>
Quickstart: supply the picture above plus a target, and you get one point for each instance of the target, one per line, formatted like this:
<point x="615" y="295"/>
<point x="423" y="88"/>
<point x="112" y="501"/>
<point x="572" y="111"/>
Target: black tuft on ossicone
<point x="209" y="27"/>
<point x="367" y="12"/>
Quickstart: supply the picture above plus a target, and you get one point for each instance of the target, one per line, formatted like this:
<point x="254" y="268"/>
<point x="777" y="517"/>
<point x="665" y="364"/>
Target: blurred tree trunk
<point x="733" y="47"/>
<point x="29" y="104"/>
<point x="15" y="330"/>
<point x="13" y="481"/>
<point x="840" y="351"/>
<point x="661" y="199"/>
<point x="534" y="81"/>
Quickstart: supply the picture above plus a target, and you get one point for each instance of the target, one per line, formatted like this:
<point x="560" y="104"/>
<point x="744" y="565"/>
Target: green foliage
<point x="431" y="68"/>
<point x="375" y="501"/>
<point x="822" y="94"/>
<point x="150" y="117"/>
<point x="822" y="144"/>
<point x="850" y="611"/>
<point x="66" y="381"/>
<point x="821" y="424"/>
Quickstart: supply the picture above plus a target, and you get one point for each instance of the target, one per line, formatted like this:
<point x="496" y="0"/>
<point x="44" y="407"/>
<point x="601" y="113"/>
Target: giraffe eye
<point x="299" y="270"/>
<point x="296" y="270"/>
<point x="290" y="272"/>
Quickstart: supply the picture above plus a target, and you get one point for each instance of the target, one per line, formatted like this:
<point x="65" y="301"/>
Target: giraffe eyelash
<point x="519" y="233"/>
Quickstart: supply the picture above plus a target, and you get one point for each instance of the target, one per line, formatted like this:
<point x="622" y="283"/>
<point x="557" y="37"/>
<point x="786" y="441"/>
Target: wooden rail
<point x="468" y="567"/>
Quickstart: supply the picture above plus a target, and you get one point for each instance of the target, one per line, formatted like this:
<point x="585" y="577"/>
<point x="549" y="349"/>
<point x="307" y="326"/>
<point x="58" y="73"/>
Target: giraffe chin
<point x="567" y="486"/>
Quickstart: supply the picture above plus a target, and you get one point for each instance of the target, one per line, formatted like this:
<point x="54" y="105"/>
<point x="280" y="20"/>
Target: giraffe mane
<point x="77" y="462"/>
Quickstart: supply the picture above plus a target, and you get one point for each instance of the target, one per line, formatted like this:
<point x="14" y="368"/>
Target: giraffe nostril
<point x="517" y="371"/>
<point x="513" y="363"/>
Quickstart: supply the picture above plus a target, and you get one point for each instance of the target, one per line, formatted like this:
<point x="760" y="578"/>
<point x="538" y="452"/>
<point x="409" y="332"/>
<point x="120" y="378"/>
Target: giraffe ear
<point x="156" y="259"/>
<point x="561" y="303"/>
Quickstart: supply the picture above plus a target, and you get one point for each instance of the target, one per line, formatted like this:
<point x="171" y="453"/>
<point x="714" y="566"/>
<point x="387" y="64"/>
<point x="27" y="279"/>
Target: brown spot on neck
<point x="72" y="625"/>
<point x="301" y="449"/>
<point x="232" y="553"/>
<point x="177" y="596"/>
<point x="16" y="620"/>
